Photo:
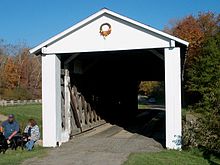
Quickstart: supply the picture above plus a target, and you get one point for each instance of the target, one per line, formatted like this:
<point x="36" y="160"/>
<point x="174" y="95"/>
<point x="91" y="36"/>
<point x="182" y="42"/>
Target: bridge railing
<point x="19" y="102"/>
<point x="84" y="116"/>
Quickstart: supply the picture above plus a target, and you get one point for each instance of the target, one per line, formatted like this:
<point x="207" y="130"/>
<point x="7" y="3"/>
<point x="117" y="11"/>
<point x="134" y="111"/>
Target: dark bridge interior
<point x="109" y="81"/>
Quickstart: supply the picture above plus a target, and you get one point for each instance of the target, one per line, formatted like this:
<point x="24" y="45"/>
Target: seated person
<point x="10" y="128"/>
<point x="33" y="133"/>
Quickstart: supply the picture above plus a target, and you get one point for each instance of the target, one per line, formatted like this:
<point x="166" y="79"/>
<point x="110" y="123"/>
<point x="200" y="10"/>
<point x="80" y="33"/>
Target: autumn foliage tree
<point x="195" y="29"/>
<point x="147" y="87"/>
<point x="20" y="73"/>
<point x="10" y="74"/>
<point x="29" y="70"/>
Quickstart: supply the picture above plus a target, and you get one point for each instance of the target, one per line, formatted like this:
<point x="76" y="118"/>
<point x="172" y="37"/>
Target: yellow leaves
<point x="11" y="76"/>
<point x="147" y="87"/>
<point x="23" y="71"/>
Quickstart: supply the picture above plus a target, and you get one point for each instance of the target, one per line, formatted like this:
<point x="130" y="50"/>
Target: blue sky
<point x="33" y="21"/>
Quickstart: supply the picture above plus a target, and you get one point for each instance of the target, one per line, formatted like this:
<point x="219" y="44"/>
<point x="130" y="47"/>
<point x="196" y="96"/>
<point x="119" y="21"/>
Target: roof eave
<point x="37" y="49"/>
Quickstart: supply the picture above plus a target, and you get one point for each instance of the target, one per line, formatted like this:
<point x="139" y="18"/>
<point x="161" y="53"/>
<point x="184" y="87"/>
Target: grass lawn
<point x="23" y="113"/>
<point x="170" y="157"/>
<point x="17" y="157"/>
<point x="142" y="106"/>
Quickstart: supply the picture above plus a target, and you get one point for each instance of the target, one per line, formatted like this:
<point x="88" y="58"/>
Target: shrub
<point x="17" y="94"/>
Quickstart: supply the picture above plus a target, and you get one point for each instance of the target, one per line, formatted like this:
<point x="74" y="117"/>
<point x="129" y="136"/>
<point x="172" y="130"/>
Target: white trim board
<point x="96" y="15"/>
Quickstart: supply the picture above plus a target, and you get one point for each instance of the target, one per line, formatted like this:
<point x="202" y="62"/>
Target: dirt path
<point x="2" y="118"/>
<point x="106" y="145"/>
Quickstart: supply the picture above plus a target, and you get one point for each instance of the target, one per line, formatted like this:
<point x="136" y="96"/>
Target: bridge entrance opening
<point x="109" y="82"/>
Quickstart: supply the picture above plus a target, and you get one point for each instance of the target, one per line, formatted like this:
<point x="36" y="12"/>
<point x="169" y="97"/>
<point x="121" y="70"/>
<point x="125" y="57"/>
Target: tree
<point x="204" y="78"/>
<point x="11" y="77"/>
<point x="209" y="23"/>
<point x="29" y="71"/>
<point x="147" y="87"/>
<point x="20" y="72"/>
<point x="204" y="75"/>
<point x="195" y="30"/>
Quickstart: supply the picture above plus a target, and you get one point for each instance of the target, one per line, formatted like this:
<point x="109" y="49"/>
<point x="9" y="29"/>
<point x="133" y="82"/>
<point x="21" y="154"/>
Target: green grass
<point x="170" y="157"/>
<point x="17" y="157"/>
<point x="142" y="106"/>
<point x="23" y="113"/>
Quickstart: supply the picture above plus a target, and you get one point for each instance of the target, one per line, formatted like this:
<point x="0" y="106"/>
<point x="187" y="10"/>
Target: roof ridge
<point x="38" y="48"/>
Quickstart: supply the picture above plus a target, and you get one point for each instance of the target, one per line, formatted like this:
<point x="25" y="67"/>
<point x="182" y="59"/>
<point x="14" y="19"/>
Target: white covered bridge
<point x="91" y="71"/>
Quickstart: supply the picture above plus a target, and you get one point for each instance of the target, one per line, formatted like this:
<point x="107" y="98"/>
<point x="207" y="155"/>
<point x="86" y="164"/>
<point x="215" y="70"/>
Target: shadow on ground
<point x="149" y="122"/>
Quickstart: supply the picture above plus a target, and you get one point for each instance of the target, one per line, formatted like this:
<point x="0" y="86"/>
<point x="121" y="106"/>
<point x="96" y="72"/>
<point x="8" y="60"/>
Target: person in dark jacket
<point x="10" y="128"/>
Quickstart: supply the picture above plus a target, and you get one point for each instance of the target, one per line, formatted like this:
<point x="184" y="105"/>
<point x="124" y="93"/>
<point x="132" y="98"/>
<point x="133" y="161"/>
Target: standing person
<point x="33" y="132"/>
<point x="10" y="128"/>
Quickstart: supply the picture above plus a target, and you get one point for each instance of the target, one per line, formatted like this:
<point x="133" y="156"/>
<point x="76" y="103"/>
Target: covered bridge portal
<point x="91" y="72"/>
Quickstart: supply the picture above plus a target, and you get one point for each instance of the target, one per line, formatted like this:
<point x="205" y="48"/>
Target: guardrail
<point x="19" y="102"/>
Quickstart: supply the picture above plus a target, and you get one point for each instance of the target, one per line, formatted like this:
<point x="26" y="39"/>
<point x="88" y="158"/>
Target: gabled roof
<point x="38" y="48"/>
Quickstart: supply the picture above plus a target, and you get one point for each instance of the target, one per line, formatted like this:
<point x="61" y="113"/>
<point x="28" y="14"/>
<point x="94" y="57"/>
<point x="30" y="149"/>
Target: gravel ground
<point x="105" y="145"/>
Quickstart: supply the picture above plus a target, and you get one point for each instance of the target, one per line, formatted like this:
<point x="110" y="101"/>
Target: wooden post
<point x="173" y="98"/>
<point x="67" y="112"/>
<point x="90" y="113"/>
<point x="86" y="113"/>
<point x="51" y="98"/>
<point x="74" y="108"/>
